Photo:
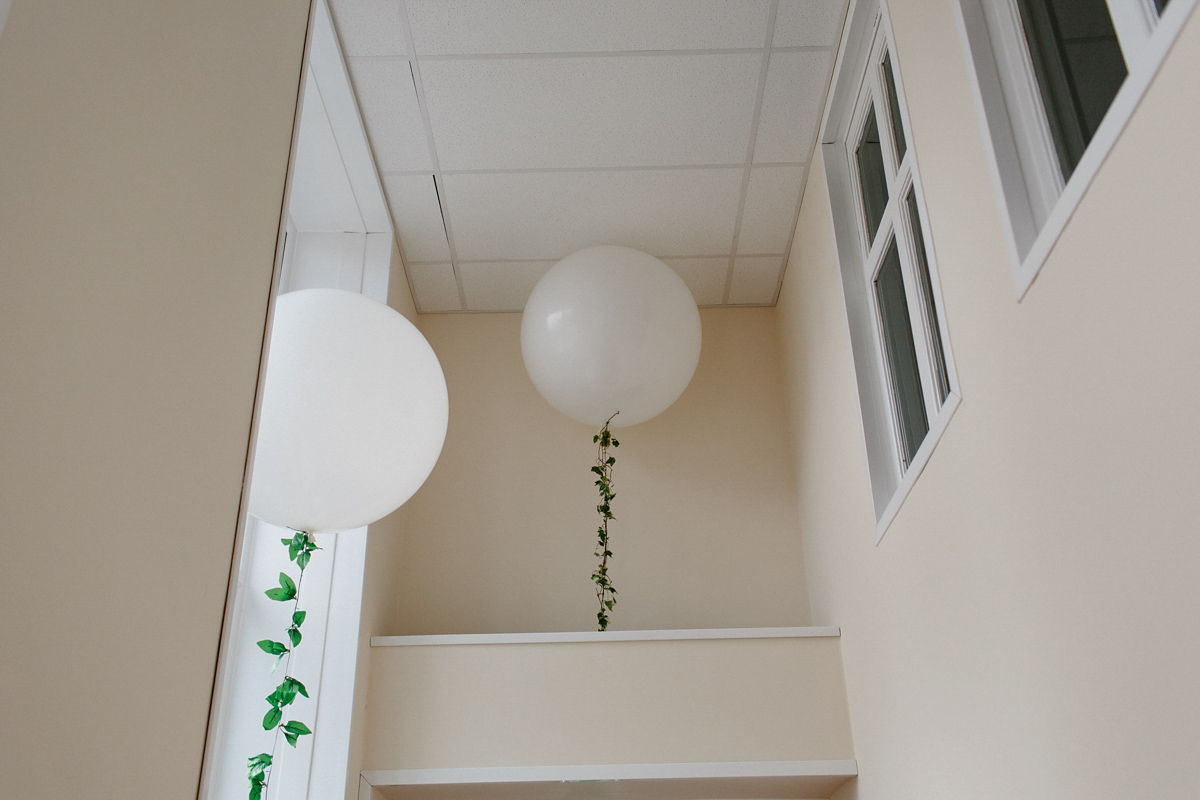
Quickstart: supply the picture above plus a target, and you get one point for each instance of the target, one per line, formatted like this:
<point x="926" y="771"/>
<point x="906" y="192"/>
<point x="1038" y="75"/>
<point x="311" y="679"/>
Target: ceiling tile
<point x="755" y="280"/>
<point x="551" y="26"/>
<point x="501" y="286"/>
<point x="591" y="112"/>
<point x="540" y="215"/>
<point x="418" y="217"/>
<point x="771" y="203"/>
<point x="434" y="287"/>
<point x="369" y="27"/>
<point x="704" y="276"/>
<point x="389" y="106"/>
<point x="792" y="104"/>
<point x="809" y="23"/>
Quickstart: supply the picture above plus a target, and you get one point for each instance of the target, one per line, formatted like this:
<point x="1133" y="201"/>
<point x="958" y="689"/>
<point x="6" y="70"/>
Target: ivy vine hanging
<point x="603" y="468"/>
<point x="300" y="549"/>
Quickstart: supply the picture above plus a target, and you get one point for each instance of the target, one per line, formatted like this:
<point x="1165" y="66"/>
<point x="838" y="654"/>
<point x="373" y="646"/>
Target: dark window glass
<point x="901" y="354"/>
<point x="1161" y="5"/>
<point x="871" y="175"/>
<point x="1079" y="68"/>
<point x="935" y="331"/>
<point x="894" y="108"/>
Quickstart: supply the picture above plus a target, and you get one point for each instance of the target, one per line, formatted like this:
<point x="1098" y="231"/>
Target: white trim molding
<point x="1009" y="110"/>
<point x="844" y="768"/>
<point x="558" y="637"/>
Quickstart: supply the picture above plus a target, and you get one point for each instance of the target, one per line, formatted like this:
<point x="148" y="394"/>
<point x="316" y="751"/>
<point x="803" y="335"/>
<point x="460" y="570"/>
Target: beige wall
<point x="1028" y="625"/>
<point x="143" y="149"/>
<point x="504" y="705"/>
<point x="500" y="538"/>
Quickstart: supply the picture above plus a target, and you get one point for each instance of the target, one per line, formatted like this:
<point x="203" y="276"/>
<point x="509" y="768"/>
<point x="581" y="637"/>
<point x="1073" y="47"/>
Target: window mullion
<point x="914" y="295"/>
<point x="1134" y="23"/>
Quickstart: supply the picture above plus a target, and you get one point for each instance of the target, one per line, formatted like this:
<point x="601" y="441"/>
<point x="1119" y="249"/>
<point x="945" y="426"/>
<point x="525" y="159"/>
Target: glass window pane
<point x="871" y="175"/>
<point x="894" y="108"/>
<point x="1079" y="68"/>
<point x="907" y="397"/>
<point x="935" y="332"/>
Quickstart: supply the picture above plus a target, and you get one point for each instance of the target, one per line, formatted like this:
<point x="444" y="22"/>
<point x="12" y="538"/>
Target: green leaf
<point x="302" y="559"/>
<point x="285" y="591"/>
<point x="295" y="685"/>
<point x="298" y="618"/>
<point x="272" y="719"/>
<point x="297" y="727"/>
<point x="258" y="764"/>
<point x="291" y="737"/>
<point x="294" y="635"/>
<point x="256" y="790"/>
<point x="272" y="647"/>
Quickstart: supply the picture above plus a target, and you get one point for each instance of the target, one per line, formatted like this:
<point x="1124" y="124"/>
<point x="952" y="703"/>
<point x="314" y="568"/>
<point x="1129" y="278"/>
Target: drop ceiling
<point x="511" y="133"/>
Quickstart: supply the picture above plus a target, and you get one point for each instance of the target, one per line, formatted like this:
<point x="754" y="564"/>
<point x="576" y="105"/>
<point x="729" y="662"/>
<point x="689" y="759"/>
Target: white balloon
<point x="354" y="413"/>
<point x="610" y="329"/>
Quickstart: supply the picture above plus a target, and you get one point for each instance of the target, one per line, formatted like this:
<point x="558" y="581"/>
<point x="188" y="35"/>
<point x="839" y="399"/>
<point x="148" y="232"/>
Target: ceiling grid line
<point x="438" y="183"/>
<point x="707" y="51"/>
<point x="556" y="260"/>
<point x="636" y="168"/>
<point x="758" y="101"/>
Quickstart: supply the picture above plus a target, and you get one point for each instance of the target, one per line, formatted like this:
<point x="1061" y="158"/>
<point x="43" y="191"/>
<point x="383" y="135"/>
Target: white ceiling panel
<point x="560" y="124"/>
<point x="369" y="27"/>
<point x="591" y="112"/>
<point x="704" y="276"/>
<point x="500" y="286"/>
<point x="755" y="280"/>
<point x="434" y="287"/>
<point x="555" y="26"/>
<point x="322" y="198"/>
<point x="771" y="201"/>
<point x="389" y="103"/>
<point x="809" y="23"/>
<point x="792" y="105"/>
<point x="540" y="215"/>
<point x="418" y="217"/>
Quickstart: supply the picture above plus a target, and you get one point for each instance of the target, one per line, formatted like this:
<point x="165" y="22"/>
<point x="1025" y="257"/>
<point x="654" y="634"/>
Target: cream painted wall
<point x="685" y="701"/>
<point x="1028" y="626"/>
<point x="500" y="538"/>
<point x="143" y="150"/>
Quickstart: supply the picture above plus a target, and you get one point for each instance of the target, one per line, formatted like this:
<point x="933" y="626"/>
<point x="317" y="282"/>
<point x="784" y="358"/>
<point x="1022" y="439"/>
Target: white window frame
<point x="1024" y="166"/>
<point x="858" y="86"/>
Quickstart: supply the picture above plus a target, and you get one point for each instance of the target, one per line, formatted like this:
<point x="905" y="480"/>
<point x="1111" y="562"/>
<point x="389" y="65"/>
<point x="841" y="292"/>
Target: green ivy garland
<point x="300" y="549"/>
<point x="605" y="593"/>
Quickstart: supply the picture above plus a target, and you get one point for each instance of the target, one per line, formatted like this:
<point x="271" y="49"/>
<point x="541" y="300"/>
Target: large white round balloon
<point x="610" y="329"/>
<point x="354" y="413"/>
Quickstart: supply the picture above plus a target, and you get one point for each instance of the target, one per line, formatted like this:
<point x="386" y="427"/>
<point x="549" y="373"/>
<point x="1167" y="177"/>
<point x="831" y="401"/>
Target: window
<point x="1056" y="81"/>
<point x="905" y="375"/>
